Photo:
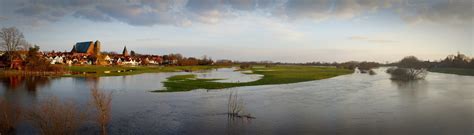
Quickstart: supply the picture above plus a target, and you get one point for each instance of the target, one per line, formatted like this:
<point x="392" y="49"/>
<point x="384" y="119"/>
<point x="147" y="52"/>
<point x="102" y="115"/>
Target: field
<point x="80" y="71"/>
<point x="272" y="75"/>
<point x="458" y="71"/>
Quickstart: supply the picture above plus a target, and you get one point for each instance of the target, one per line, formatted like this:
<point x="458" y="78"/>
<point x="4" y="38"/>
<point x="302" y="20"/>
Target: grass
<point x="458" y="71"/>
<point x="272" y="75"/>
<point x="92" y="70"/>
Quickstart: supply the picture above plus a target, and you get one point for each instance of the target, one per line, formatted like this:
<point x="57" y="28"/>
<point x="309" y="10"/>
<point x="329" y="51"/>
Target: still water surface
<point x="348" y="104"/>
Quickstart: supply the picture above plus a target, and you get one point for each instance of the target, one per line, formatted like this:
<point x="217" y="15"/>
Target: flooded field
<point x="348" y="104"/>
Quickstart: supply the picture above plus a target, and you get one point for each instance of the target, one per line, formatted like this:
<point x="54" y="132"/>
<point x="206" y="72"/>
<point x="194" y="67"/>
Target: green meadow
<point x="271" y="75"/>
<point x="458" y="71"/>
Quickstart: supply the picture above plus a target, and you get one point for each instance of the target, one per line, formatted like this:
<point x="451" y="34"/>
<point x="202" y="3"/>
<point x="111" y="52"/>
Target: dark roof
<point x="81" y="47"/>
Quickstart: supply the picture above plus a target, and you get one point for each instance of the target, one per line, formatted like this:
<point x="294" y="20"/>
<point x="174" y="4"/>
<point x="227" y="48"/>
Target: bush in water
<point x="407" y="74"/>
<point x="52" y="117"/>
<point x="9" y="116"/>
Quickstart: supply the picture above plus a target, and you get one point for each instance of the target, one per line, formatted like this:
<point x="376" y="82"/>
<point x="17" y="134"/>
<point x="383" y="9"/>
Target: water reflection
<point x="237" y="126"/>
<point x="228" y="75"/>
<point x="31" y="83"/>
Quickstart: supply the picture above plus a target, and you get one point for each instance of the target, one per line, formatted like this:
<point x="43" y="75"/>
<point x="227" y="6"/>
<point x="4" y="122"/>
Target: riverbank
<point x="82" y="71"/>
<point x="97" y="71"/>
<point x="271" y="75"/>
<point x="458" y="71"/>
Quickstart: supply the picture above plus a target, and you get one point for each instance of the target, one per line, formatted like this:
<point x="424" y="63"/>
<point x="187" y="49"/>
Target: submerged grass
<point x="272" y="75"/>
<point x="458" y="71"/>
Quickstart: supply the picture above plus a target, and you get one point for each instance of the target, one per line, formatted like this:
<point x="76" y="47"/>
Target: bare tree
<point x="102" y="103"/>
<point x="12" y="39"/>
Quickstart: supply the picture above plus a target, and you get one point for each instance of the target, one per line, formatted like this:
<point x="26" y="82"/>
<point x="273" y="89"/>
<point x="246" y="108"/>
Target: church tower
<point x="125" y="51"/>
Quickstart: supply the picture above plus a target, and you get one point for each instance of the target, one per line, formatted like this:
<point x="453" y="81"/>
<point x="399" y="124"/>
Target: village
<point x="89" y="53"/>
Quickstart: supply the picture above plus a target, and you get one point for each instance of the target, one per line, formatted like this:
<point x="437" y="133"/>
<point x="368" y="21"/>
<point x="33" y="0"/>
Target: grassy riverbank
<point x="458" y="71"/>
<point x="97" y="71"/>
<point x="80" y="71"/>
<point x="272" y="75"/>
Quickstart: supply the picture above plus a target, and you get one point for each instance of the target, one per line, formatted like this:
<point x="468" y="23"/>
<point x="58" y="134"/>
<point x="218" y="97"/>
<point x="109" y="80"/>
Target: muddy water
<point x="349" y="104"/>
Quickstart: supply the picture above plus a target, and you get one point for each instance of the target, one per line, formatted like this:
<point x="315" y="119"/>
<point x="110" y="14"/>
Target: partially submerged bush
<point x="390" y="70"/>
<point x="102" y="103"/>
<point x="9" y="116"/>
<point x="409" y="68"/>
<point x="372" y="72"/>
<point x="235" y="106"/>
<point x="407" y="74"/>
<point x="54" y="118"/>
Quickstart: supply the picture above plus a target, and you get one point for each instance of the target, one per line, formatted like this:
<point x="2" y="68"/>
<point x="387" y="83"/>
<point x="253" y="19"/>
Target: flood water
<point x="349" y="104"/>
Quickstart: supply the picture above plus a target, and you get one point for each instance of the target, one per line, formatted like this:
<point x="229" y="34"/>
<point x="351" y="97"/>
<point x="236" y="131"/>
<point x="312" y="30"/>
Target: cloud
<point x="186" y="12"/>
<point x="445" y="11"/>
<point x="93" y="15"/>
<point x="371" y="40"/>
<point x="3" y="18"/>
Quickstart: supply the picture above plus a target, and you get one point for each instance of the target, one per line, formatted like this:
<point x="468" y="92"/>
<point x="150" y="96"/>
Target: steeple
<point x="125" y="51"/>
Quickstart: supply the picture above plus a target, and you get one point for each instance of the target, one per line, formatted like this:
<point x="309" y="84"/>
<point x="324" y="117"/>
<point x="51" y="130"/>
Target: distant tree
<point x="411" y="62"/>
<point x="12" y="40"/>
<point x="245" y="66"/>
<point x="205" y="60"/>
<point x="223" y="62"/>
<point x="456" y="61"/>
<point x="471" y="65"/>
<point x="368" y="65"/>
<point x="191" y="61"/>
<point x="460" y="61"/>
<point x="132" y="53"/>
<point x="34" y="61"/>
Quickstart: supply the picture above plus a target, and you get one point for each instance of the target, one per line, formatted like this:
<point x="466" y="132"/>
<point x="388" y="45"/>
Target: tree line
<point x="451" y="61"/>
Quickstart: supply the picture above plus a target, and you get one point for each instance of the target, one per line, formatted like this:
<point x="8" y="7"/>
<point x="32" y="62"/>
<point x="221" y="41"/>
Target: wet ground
<point x="348" y="104"/>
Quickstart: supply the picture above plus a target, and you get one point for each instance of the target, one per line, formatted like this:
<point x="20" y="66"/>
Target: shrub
<point x="372" y="72"/>
<point x="235" y="104"/>
<point x="235" y="107"/>
<point x="54" y="118"/>
<point x="9" y="116"/>
<point x="407" y="74"/>
<point x="245" y="66"/>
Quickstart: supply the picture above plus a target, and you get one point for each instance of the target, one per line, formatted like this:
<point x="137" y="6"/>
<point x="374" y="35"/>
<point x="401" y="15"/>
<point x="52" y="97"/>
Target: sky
<point x="252" y="30"/>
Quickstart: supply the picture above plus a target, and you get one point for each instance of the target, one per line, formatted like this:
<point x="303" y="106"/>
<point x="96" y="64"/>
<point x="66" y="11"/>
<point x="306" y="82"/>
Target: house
<point x="86" y="48"/>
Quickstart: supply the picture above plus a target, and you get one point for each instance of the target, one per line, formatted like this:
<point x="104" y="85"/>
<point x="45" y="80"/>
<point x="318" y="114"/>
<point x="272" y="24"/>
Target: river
<point x="350" y="104"/>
